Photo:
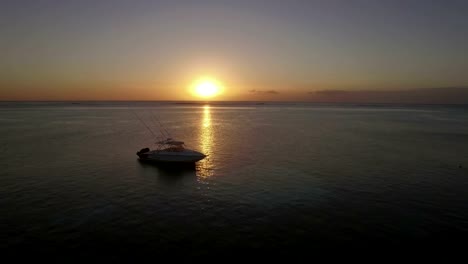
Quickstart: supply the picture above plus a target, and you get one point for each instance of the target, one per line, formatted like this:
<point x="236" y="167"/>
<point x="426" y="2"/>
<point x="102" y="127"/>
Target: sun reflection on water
<point x="204" y="167"/>
<point x="206" y="116"/>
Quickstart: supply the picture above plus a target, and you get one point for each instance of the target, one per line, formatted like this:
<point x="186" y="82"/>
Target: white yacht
<point x="170" y="151"/>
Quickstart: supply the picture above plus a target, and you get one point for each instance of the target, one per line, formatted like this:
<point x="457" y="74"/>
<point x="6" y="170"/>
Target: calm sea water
<point x="285" y="178"/>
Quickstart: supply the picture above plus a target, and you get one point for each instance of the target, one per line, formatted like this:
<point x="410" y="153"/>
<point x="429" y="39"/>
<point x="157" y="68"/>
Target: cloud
<point x="263" y="91"/>
<point x="449" y="95"/>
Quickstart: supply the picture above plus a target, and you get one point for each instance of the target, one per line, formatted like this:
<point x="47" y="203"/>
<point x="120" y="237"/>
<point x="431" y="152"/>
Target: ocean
<point x="287" y="178"/>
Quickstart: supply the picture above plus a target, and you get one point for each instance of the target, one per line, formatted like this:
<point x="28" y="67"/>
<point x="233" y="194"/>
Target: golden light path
<point x="206" y="141"/>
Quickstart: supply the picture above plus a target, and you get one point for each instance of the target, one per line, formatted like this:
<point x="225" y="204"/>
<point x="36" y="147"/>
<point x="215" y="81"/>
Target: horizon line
<point x="223" y="101"/>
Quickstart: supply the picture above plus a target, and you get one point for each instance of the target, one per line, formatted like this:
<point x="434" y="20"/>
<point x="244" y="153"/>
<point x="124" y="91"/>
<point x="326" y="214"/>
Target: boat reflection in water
<point x="168" y="173"/>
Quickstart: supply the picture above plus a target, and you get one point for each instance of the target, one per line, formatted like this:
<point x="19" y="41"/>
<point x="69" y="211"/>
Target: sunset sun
<point x="206" y="88"/>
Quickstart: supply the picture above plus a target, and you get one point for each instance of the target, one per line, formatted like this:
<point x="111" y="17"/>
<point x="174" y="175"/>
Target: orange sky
<point x="155" y="50"/>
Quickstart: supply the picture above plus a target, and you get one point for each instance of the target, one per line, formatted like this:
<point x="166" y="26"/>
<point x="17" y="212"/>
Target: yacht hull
<point x="171" y="157"/>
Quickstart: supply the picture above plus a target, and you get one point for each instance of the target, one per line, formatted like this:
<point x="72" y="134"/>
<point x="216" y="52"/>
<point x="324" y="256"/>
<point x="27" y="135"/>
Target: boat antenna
<point x="155" y="123"/>
<point x="168" y="135"/>
<point x="149" y="129"/>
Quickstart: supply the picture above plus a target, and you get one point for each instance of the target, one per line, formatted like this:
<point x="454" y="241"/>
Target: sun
<point x="206" y="88"/>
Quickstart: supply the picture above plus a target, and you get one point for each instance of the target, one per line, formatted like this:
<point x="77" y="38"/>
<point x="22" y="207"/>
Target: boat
<point x="170" y="151"/>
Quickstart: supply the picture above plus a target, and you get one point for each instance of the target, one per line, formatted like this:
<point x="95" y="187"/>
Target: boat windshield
<point x="170" y="145"/>
<point x="177" y="148"/>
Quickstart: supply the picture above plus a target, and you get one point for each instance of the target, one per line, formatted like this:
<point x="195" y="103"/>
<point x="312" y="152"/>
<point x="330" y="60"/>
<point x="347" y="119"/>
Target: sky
<point x="255" y="50"/>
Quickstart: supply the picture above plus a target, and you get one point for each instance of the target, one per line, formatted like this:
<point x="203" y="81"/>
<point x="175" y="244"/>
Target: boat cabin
<point x="171" y="145"/>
